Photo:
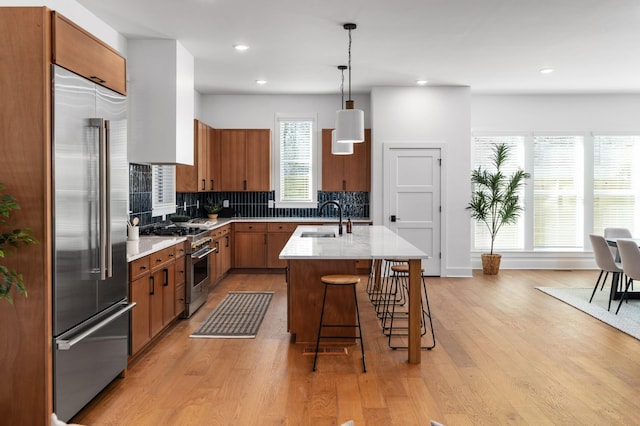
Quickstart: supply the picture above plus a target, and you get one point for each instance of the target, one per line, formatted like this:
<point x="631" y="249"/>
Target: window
<point x="163" y="184"/>
<point x="558" y="188"/>
<point x="510" y="237"/>
<point x="296" y="181"/>
<point x="616" y="183"/>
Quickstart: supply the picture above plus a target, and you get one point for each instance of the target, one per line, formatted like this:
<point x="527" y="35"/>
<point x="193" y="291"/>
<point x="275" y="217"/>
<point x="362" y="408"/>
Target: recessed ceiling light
<point x="546" y="70"/>
<point x="240" y="47"/>
<point x="421" y="82"/>
<point x="261" y="82"/>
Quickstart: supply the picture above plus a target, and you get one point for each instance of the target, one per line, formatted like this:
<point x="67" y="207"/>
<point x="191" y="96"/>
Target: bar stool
<point x="380" y="292"/>
<point x="400" y="285"/>
<point x="339" y="280"/>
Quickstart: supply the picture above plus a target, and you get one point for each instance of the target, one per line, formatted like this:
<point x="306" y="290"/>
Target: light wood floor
<point x="506" y="354"/>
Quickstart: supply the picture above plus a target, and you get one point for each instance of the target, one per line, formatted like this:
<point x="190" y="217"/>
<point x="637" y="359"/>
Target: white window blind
<point x="296" y="161"/>
<point x="558" y="179"/>
<point x="510" y="237"/>
<point x="616" y="183"/>
<point x="163" y="183"/>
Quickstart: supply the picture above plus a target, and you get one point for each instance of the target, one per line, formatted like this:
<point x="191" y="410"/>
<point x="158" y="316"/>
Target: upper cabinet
<point x="245" y="159"/>
<point x="203" y="175"/>
<point x="346" y="172"/>
<point x="161" y="102"/>
<point x="78" y="51"/>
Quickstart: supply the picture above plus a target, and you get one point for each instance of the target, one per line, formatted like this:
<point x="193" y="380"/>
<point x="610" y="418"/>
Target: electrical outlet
<point x="271" y="204"/>
<point x="225" y="203"/>
<point x="184" y="206"/>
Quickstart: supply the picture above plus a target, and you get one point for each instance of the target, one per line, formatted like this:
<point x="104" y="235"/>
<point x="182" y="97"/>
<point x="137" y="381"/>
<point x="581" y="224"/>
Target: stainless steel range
<point x="198" y="258"/>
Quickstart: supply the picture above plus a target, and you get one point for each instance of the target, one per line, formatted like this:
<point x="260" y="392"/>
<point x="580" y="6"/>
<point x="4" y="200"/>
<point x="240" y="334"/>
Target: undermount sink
<point x="318" y="235"/>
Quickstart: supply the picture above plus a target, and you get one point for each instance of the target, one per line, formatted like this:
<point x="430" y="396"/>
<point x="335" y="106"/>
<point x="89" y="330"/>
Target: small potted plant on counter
<point x="212" y="208"/>
<point x="495" y="201"/>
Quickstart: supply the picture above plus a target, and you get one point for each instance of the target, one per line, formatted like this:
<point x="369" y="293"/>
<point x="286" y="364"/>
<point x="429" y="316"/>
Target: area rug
<point x="238" y="315"/>
<point x="627" y="320"/>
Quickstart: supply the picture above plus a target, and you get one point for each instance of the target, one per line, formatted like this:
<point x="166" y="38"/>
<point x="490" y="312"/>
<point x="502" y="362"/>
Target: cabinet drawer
<point x="80" y="52"/>
<point x="180" y="250"/>
<point x="181" y="271"/>
<point x="138" y="268"/>
<point x="160" y="258"/>
<point x="286" y="227"/>
<point x="251" y="227"/>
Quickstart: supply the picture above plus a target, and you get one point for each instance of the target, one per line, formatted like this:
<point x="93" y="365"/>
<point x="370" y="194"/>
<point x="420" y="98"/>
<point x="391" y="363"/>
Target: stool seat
<point x="402" y="268"/>
<point x="340" y="279"/>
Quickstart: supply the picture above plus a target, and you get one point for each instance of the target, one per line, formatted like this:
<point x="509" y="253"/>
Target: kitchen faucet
<point x="335" y="203"/>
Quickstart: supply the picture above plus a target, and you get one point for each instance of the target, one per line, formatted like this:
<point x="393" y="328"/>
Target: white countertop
<point x="365" y="242"/>
<point x="148" y="245"/>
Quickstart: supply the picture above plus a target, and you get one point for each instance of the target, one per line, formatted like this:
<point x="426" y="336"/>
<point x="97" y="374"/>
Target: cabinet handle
<point x="98" y="79"/>
<point x="171" y="254"/>
<point x="244" y="184"/>
<point x="227" y="237"/>
<point x="204" y="185"/>
<point x="344" y="185"/>
<point x="143" y="268"/>
<point x="166" y="277"/>
<point x="153" y="286"/>
<point x="212" y="186"/>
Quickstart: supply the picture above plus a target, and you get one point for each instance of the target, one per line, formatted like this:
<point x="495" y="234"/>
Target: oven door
<point x="198" y="267"/>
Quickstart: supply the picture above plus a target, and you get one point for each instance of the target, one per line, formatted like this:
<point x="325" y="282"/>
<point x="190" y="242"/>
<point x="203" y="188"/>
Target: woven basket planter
<point x="491" y="263"/>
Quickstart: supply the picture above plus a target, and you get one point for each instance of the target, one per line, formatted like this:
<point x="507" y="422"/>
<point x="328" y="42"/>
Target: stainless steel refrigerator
<point x="90" y="284"/>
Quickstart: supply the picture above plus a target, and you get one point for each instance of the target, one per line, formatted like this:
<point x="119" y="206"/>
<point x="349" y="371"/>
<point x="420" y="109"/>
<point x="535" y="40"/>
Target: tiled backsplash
<point x="244" y="204"/>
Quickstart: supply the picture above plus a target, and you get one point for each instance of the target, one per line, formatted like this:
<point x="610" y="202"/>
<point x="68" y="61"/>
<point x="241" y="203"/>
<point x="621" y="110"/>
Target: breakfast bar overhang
<point x="310" y="247"/>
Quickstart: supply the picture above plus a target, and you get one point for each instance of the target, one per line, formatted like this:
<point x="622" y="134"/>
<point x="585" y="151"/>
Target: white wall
<point x="80" y="16"/>
<point x="429" y="114"/>
<point x="258" y="111"/>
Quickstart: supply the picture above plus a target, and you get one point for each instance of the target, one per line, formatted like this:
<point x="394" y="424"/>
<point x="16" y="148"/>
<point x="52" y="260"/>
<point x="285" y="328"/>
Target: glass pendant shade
<point x="350" y="125"/>
<point x="340" y="148"/>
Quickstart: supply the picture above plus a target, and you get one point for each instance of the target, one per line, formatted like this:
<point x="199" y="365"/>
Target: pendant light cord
<point x="342" y="89"/>
<point x="349" y="64"/>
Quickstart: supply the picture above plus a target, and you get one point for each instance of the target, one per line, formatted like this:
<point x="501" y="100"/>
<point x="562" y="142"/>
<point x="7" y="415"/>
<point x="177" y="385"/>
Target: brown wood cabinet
<point x="25" y="136"/>
<point x="245" y="159"/>
<point x="77" y="50"/>
<point x="157" y="284"/>
<point x="180" y="277"/>
<point x="277" y="236"/>
<point x="346" y="172"/>
<point x="222" y="259"/>
<point x="202" y="176"/>
<point x="250" y="245"/>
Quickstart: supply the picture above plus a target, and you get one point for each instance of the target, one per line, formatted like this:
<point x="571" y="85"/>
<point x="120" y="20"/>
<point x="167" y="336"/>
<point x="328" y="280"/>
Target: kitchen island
<point x="312" y="252"/>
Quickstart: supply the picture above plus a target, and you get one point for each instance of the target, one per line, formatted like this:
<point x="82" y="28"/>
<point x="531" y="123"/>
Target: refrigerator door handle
<point x="66" y="344"/>
<point x="105" y="190"/>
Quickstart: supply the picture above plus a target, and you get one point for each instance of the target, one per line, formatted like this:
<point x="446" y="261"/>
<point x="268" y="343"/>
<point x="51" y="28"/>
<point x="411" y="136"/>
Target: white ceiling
<point x="493" y="46"/>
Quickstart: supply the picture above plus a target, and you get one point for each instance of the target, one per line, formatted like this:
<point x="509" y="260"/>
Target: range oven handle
<point x="201" y="254"/>
<point x="65" y="345"/>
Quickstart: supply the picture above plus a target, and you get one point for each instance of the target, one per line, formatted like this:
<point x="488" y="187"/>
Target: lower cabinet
<point x="157" y="288"/>
<point x="278" y="233"/>
<point x="250" y="245"/>
<point x="221" y="262"/>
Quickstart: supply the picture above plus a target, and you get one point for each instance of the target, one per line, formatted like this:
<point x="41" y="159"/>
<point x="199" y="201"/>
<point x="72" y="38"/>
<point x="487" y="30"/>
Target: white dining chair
<point x="614" y="234"/>
<point x="606" y="263"/>
<point x="630" y="255"/>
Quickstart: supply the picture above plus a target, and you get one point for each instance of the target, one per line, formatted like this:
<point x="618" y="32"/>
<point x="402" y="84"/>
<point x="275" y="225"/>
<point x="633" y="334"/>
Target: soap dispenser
<point x="349" y="226"/>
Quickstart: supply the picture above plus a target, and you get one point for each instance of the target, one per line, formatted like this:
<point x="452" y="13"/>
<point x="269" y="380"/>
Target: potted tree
<point x="495" y="201"/>
<point x="212" y="208"/>
<point x="10" y="239"/>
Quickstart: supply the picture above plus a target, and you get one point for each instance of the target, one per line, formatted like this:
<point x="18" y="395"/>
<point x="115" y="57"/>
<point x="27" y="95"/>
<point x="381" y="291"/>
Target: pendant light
<point x="343" y="148"/>
<point x="350" y="121"/>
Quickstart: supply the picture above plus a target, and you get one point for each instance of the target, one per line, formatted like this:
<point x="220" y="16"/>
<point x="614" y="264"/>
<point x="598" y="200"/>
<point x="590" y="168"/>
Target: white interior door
<point x="412" y="199"/>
